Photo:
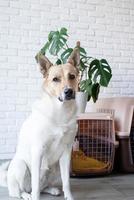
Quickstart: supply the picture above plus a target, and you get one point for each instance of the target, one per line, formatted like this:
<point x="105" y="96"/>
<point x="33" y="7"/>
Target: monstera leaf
<point x="91" y="89"/>
<point x="65" y="55"/>
<point x="58" y="62"/>
<point x="83" y="53"/>
<point x="56" y="41"/>
<point x="44" y="49"/>
<point x="100" y="71"/>
<point x="95" y="91"/>
<point x="85" y="84"/>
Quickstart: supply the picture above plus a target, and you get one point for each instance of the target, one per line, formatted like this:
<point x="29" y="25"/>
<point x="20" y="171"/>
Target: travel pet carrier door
<point x="132" y="137"/>
<point x="94" y="146"/>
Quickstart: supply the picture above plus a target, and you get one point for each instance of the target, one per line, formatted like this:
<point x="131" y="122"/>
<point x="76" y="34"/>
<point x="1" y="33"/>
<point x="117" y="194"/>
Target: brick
<point x="20" y="4"/>
<point x="4" y="17"/>
<point x="6" y="122"/>
<point x="10" y="38"/>
<point x="26" y="53"/>
<point x="9" y="52"/>
<point x="4" y="3"/>
<point x="17" y="60"/>
<point x="2" y="142"/>
<point x="83" y="13"/>
<point x="13" y="73"/>
<point x="47" y="2"/>
<point x="128" y="78"/>
<point x="2" y="115"/>
<point x="8" y="10"/>
<point x="12" y="141"/>
<point x="81" y="1"/>
<point x="18" y="115"/>
<point x="20" y="19"/>
<point x="3" y="30"/>
<point x="8" y="93"/>
<point x="29" y="13"/>
<point x="3" y="129"/>
<point x="6" y="156"/>
<point x="40" y="7"/>
<point x="68" y="4"/>
<point x="2" y="86"/>
<point x="7" y="148"/>
<point x="4" y="107"/>
<point x="3" y="73"/>
<point x="3" y="45"/>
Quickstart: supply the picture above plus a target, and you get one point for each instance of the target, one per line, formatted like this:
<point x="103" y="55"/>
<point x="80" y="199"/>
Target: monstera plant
<point x="94" y="72"/>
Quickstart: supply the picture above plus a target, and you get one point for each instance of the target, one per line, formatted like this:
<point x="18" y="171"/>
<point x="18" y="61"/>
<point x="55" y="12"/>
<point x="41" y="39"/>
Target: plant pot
<point x="81" y="101"/>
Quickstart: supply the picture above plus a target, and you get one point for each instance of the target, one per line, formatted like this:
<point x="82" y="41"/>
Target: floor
<point x="113" y="187"/>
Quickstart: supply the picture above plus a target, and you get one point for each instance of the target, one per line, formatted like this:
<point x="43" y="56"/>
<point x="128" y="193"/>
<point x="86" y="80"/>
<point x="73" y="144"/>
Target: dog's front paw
<point x="52" y="190"/>
<point x="69" y="197"/>
<point x="26" y="196"/>
<point x="35" y="196"/>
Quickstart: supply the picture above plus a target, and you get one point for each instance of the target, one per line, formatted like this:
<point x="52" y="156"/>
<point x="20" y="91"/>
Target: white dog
<point x="46" y="137"/>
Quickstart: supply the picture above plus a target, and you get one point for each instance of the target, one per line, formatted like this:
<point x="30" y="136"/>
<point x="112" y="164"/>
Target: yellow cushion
<point x="80" y="162"/>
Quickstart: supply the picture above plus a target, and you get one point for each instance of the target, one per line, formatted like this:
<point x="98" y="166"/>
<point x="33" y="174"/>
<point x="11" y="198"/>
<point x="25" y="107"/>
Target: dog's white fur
<point x="45" y="139"/>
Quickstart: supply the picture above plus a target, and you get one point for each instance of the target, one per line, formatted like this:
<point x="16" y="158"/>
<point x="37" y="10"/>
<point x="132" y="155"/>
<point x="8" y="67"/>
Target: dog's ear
<point x="74" y="58"/>
<point x="44" y="64"/>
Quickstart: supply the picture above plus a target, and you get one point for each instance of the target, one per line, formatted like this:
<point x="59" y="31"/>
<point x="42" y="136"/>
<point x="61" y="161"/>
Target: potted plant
<point x="94" y="72"/>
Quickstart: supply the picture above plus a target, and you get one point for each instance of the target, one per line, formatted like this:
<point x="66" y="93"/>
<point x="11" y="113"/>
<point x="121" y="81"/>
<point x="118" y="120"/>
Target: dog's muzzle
<point x="67" y="94"/>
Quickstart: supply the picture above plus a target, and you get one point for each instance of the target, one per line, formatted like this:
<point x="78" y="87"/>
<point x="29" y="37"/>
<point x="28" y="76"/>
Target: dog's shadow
<point x="79" y="192"/>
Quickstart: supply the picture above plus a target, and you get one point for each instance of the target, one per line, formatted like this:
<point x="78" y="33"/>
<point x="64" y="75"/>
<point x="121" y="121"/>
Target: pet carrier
<point x="123" y="110"/>
<point x="94" y="146"/>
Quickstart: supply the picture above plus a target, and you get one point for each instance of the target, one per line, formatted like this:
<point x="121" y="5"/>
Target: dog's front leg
<point x="35" y="173"/>
<point x="65" y="169"/>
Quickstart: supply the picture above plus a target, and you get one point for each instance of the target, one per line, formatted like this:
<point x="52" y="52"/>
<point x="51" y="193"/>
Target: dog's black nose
<point x="68" y="93"/>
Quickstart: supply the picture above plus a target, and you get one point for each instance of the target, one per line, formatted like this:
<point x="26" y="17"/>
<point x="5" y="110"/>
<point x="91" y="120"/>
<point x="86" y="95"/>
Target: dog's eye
<point x="55" y="79"/>
<point x="71" y="76"/>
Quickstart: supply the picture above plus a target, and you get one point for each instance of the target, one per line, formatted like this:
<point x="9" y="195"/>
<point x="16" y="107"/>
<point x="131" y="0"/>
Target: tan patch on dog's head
<point x="59" y="78"/>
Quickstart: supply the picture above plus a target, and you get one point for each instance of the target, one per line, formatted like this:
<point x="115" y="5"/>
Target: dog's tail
<point x="3" y="173"/>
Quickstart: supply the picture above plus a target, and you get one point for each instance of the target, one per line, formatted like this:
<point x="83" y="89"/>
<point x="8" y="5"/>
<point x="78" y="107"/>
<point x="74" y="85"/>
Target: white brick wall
<point x="105" y="28"/>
